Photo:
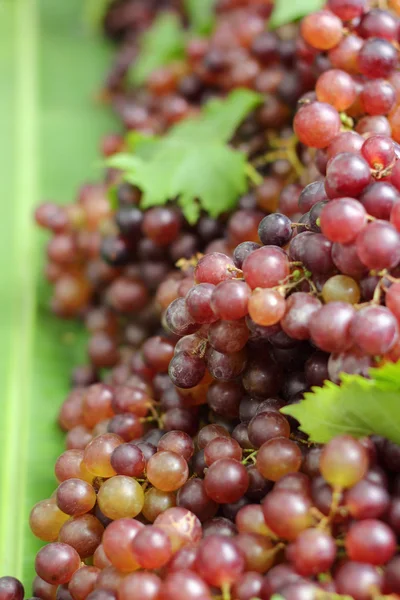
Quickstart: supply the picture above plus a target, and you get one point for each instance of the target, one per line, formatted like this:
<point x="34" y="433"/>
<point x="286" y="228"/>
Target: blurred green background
<point x="51" y="66"/>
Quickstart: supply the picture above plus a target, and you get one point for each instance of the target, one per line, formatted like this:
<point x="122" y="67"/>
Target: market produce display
<point x="235" y="433"/>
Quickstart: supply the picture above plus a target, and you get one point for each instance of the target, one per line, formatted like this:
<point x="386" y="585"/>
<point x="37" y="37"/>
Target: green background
<point x="51" y="66"/>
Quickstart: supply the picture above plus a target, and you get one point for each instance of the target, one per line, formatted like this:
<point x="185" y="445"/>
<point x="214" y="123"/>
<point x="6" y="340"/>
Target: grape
<point x="379" y="198"/>
<point x="377" y="58"/>
<point x="117" y="543"/>
<point x="317" y="254"/>
<point x="224" y="398"/>
<point x="378" y="23"/>
<point x="167" y="471"/>
<point x="294" y="482"/>
<point x="322" y="30"/>
<point x="161" y="225"/>
<point x="287" y="513"/>
<point x="186" y="370"/>
<point x="82" y="533"/>
<point x="120" y="497"/>
<point x="266" y="307"/>
<point x="275" y="230"/>
<point x="277" y="578"/>
<point x="300" y="309"/>
<point x="312" y="194"/>
<point x="226" y="367"/>
<point x="342" y="220"/>
<point x="242" y="251"/>
<point x="83" y="582"/>
<point x="226" y="481"/>
<point x="378" y="246"/>
<point x="395" y="215"/>
<point x="198" y="302"/>
<point x="391" y="577"/>
<point x="157" y="352"/>
<point x="181" y="585"/>
<point x="352" y="361"/>
<point x="192" y="496"/>
<point x="46" y="520"/>
<point x="100" y="559"/>
<point x="129" y="399"/>
<point x="248" y="586"/>
<point x="392" y="300"/>
<point x="156" y="502"/>
<point x="219" y="561"/>
<point x="11" y="589"/>
<point x="222" y="447"/>
<point x="377" y="97"/>
<point x="314" y="552"/>
<point x="346" y="259"/>
<point x="97" y="454"/>
<point x="277" y="457"/>
<point x="358" y="580"/>
<point x="250" y="519"/>
<point x="128" y="460"/>
<point x="152" y="547"/>
<point x="374" y="330"/>
<point x="344" y="55"/>
<point x="127" y="426"/>
<point x="341" y="288"/>
<point x="229" y="300"/>
<point x="347" y="9"/>
<point x="75" y="497"/>
<point x="366" y="500"/>
<point x="209" y="433"/>
<point x="316" y="124"/>
<point x="337" y="88"/>
<point x="140" y="586"/>
<point x="330" y="327"/>
<point x="347" y="141"/>
<point x="258" y="551"/>
<point x="181" y="525"/>
<point x="228" y="336"/>
<point x="56" y="563"/>
<point x="101" y="594"/>
<point x="267" y="425"/>
<point x="266" y="267"/>
<point x="214" y="268"/>
<point x="344" y="462"/>
<point x="178" y="319"/>
<point x="178" y="442"/>
<point x="262" y="378"/>
<point x="374" y="125"/>
<point x="381" y="542"/>
<point x="347" y="175"/>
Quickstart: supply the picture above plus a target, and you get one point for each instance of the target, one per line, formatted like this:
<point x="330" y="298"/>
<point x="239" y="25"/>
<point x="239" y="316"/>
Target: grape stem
<point x="254" y="176"/>
<point x="226" y="591"/>
<point x="251" y="457"/>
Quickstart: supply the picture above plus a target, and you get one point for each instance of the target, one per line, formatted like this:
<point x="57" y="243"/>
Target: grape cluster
<point x="289" y="518"/>
<point x="181" y="478"/>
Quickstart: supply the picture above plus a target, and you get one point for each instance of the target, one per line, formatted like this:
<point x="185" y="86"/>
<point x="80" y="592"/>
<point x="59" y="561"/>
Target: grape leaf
<point x="192" y="163"/>
<point x="201" y="15"/>
<point x="163" y="43"/>
<point x="357" y="407"/>
<point x="286" y="12"/>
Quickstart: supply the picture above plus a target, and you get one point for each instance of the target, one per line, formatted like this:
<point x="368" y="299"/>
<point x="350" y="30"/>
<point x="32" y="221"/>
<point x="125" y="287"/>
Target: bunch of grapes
<point x="149" y="520"/>
<point x="181" y="479"/>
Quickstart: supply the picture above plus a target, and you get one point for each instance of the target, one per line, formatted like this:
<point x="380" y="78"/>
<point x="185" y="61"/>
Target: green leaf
<point x="358" y="407"/>
<point x="162" y="44"/>
<point x="50" y="72"/>
<point x="201" y="15"/>
<point x="286" y="12"/>
<point x="207" y="174"/>
<point x="220" y="117"/>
